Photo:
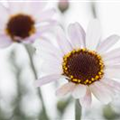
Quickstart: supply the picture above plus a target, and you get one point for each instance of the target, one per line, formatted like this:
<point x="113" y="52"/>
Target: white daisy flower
<point x="24" y="21"/>
<point x="86" y="63"/>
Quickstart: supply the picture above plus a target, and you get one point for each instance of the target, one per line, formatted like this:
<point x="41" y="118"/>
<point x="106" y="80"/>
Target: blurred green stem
<point x="93" y="9"/>
<point x="29" y="50"/>
<point x="78" y="110"/>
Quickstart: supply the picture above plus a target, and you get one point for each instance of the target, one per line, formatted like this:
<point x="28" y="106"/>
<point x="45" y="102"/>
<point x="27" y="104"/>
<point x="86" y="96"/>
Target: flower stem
<point x="78" y="110"/>
<point x="93" y="9"/>
<point x="29" y="50"/>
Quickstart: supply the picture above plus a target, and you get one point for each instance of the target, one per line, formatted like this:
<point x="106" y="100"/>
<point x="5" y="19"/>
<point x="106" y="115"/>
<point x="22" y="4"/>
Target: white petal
<point x="49" y="58"/>
<point x="4" y="17"/>
<point x="112" y="54"/>
<point x="112" y="73"/>
<point x="101" y="92"/>
<point x="16" y="7"/>
<point x="40" y="30"/>
<point x="79" y="91"/>
<point x="87" y="99"/>
<point x="34" y="8"/>
<point x="5" y="41"/>
<point x="64" y="44"/>
<point x="51" y="68"/>
<point x="77" y="35"/>
<point x="26" y="7"/>
<point x="51" y="65"/>
<point x="112" y="83"/>
<point x="47" y="27"/>
<point x="65" y="89"/>
<point x="113" y="66"/>
<point x="112" y="61"/>
<point x="47" y="79"/>
<point x="48" y="48"/>
<point x="93" y="34"/>
<point x="108" y="43"/>
<point x="45" y="15"/>
<point x="32" y="38"/>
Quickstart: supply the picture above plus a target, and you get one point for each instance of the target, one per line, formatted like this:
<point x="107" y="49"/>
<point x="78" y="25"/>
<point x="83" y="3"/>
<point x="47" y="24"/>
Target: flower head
<point x="24" y="21"/>
<point x="87" y="64"/>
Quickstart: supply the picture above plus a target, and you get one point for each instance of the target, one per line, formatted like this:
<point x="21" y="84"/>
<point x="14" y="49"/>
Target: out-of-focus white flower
<point x="24" y="21"/>
<point x="87" y="64"/>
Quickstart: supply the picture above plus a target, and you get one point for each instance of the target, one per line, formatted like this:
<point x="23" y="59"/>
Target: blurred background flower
<point x="63" y="5"/>
<point x="20" y="23"/>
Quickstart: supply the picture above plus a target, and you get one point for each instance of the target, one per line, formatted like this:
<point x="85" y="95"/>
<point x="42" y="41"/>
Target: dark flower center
<point x="21" y="26"/>
<point x="83" y="66"/>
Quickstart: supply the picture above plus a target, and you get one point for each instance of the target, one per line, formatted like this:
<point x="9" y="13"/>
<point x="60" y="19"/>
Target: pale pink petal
<point x="51" y="67"/>
<point x="77" y="35"/>
<point x="48" y="48"/>
<point x="52" y="64"/>
<point x="112" y="73"/>
<point x="108" y="88"/>
<point x="28" y="7"/>
<point x="48" y="57"/>
<point x="16" y="7"/>
<point x="47" y="79"/>
<point x="5" y="41"/>
<point x="40" y="30"/>
<point x="65" y="89"/>
<point x="64" y="44"/>
<point x="79" y="91"/>
<point x="115" y="85"/>
<point x="32" y="38"/>
<point x="4" y="17"/>
<point x="45" y="15"/>
<point x="108" y="43"/>
<point x="113" y="66"/>
<point x="102" y="92"/>
<point x="112" y="61"/>
<point x="45" y="28"/>
<point x="34" y="8"/>
<point x="111" y="55"/>
<point x="87" y="99"/>
<point x="93" y="34"/>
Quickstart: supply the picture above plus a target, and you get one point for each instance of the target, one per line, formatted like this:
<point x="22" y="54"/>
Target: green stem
<point x="93" y="9"/>
<point x="78" y="110"/>
<point x="30" y="55"/>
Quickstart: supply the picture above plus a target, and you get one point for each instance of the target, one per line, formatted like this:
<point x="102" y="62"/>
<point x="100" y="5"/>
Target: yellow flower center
<point x="82" y="66"/>
<point x="21" y="26"/>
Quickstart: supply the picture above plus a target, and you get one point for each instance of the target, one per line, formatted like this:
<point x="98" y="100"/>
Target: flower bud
<point x="63" y="5"/>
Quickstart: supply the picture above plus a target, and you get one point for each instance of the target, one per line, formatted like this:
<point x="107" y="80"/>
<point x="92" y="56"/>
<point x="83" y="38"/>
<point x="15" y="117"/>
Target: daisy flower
<point x="24" y="21"/>
<point x="87" y="64"/>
